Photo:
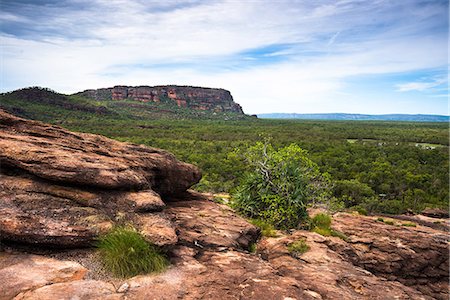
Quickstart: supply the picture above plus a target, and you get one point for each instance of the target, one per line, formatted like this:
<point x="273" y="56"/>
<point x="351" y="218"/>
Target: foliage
<point x="267" y="229"/>
<point x="279" y="186"/>
<point x="321" y="224"/>
<point x="321" y="220"/>
<point x="252" y="248"/>
<point x="125" y="253"/>
<point x="390" y="158"/>
<point x="297" y="248"/>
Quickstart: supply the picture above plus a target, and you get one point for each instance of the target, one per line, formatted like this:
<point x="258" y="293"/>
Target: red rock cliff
<point x="218" y="100"/>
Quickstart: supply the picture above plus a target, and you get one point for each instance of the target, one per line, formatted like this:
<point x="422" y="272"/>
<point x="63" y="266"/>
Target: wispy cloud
<point x="283" y="55"/>
<point x="423" y="85"/>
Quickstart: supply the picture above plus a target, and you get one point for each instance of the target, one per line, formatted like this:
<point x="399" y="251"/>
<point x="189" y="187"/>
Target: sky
<point x="310" y="56"/>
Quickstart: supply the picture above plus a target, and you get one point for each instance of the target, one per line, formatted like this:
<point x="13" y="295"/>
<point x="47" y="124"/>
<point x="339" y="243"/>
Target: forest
<point x="373" y="166"/>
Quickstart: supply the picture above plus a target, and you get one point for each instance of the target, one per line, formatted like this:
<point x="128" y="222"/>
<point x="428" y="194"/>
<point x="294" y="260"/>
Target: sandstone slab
<point x="21" y="272"/>
<point x="59" y="155"/>
<point x="416" y="256"/>
<point x="204" y="224"/>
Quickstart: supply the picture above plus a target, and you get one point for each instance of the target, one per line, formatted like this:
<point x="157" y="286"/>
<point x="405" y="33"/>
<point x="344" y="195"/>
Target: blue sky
<point x="354" y="56"/>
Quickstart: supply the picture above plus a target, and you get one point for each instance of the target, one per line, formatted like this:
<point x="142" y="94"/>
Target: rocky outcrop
<point x="198" y="98"/>
<point x="64" y="189"/>
<point x="210" y="261"/>
<point x="416" y="256"/>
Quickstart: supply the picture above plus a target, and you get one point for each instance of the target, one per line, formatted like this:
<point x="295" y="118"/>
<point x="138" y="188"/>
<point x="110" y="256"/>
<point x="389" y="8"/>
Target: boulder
<point x="415" y="256"/>
<point x="204" y="224"/>
<point x="89" y="160"/>
<point x="64" y="189"/>
<point x="436" y="213"/>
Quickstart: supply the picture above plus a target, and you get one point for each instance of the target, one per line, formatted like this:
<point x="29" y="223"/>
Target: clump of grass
<point x="380" y="220"/>
<point x="125" y="253"/>
<point x="321" y="224"/>
<point x="267" y="229"/>
<point x="252" y="248"/>
<point x="409" y="224"/>
<point x="297" y="248"/>
<point x="321" y="221"/>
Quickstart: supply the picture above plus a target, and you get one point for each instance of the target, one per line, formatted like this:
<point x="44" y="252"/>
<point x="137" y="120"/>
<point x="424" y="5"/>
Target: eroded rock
<point x="21" y="272"/>
<point x="204" y="224"/>
<point x="416" y="256"/>
<point x="59" y="188"/>
<point x="90" y="160"/>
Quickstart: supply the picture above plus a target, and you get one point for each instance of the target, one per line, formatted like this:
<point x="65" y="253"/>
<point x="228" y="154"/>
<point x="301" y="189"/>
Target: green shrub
<point x="252" y="248"/>
<point x="125" y="253"/>
<point x="267" y="229"/>
<point x="380" y="219"/>
<point x="361" y="210"/>
<point x="280" y="185"/>
<point x="297" y="248"/>
<point x="321" y="221"/>
<point x="389" y="222"/>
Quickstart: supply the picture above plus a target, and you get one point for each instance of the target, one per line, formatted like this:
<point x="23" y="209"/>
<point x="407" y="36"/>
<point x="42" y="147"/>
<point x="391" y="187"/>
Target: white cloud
<point x="105" y="43"/>
<point x="421" y="85"/>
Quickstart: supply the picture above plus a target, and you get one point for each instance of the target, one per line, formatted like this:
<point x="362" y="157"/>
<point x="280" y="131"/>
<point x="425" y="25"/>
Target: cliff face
<point x="198" y="98"/>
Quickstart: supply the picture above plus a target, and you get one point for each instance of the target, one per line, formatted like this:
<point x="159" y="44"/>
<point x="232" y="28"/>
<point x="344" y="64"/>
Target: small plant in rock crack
<point x="297" y="248"/>
<point x="125" y="253"/>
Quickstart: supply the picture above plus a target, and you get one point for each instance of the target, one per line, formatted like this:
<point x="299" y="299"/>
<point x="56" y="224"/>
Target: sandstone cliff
<point x="59" y="190"/>
<point x="198" y="98"/>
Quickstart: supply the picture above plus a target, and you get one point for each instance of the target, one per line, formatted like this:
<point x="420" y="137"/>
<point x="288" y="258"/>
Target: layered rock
<point x="64" y="189"/>
<point x="198" y="98"/>
<point x="416" y="256"/>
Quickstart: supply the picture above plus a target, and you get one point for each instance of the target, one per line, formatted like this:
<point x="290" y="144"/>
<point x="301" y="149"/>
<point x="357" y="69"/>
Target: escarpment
<point x="198" y="98"/>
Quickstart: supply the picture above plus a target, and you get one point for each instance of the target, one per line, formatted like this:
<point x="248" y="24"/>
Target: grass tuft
<point x="125" y="253"/>
<point x="297" y="248"/>
<point x="321" y="224"/>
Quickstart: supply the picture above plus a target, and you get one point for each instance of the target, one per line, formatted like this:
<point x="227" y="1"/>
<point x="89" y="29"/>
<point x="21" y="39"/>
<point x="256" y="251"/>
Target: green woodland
<point x="369" y="166"/>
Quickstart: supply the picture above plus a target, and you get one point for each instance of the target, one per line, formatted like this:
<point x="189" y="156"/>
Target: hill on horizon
<point x="358" y="117"/>
<point x="120" y="102"/>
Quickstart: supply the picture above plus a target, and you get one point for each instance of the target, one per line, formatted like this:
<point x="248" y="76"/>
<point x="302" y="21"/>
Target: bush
<point x="280" y="185"/>
<point x="267" y="229"/>
<point x="321" y="221"/>
<point x="297" y="248"/>
<point x="125" y="253"/>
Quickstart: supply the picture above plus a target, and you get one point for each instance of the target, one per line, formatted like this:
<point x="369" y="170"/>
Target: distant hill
<point x="120" y="102"/>
<point x="358" y="117"/>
